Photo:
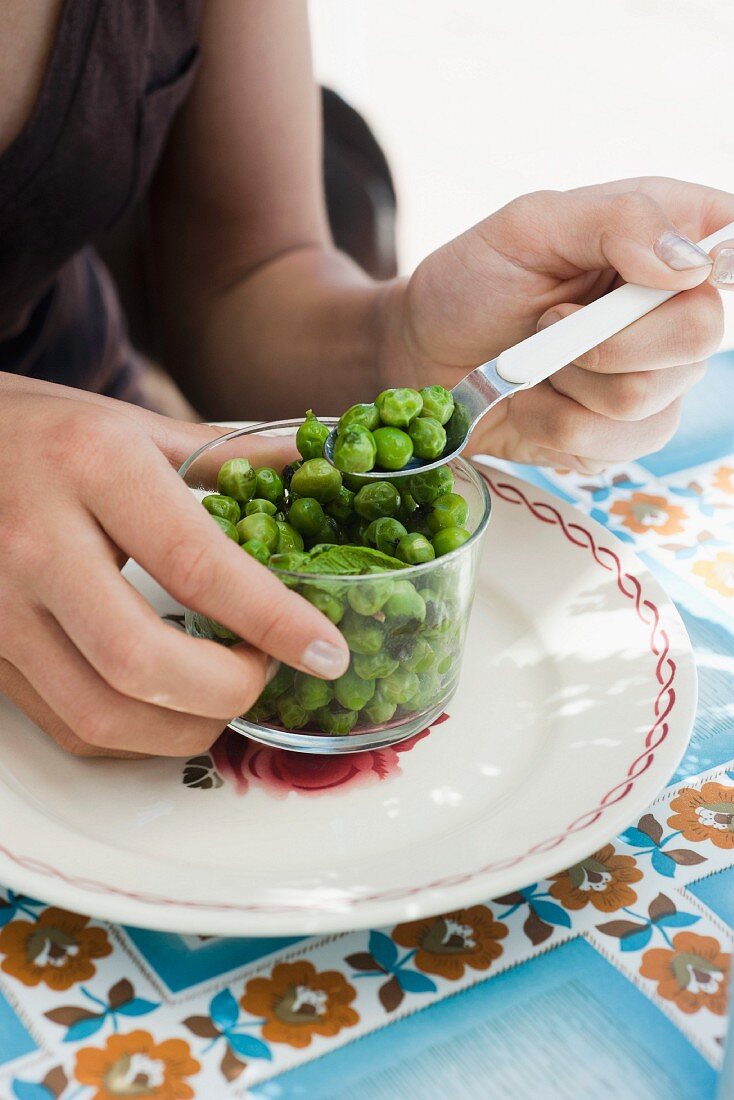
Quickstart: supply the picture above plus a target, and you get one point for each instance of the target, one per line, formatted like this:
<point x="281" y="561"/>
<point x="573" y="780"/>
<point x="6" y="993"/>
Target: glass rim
<point x="404" y="574"/>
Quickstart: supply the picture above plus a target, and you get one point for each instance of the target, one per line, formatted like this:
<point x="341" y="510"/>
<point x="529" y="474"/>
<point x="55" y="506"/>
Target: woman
<point x="210" y="105"/>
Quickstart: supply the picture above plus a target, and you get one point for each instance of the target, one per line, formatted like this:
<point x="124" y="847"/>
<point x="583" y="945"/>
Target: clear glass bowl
<point x="418" y="659"/>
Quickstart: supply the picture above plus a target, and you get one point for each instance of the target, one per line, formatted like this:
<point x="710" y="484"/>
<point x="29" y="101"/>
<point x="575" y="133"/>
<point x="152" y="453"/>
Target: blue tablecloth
<point x="618" y="991"/>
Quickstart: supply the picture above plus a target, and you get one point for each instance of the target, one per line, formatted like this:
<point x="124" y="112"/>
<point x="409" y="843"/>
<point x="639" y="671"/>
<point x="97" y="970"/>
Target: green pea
<point x="270" y="484"/>
<point x="429" y="438"/>
<point x="355" y="450"/>
<point x="341" y="507"/>
<point x="224" y="507"/>
<point x="311" y="436"/>
<point x="385" y="534"/>
<point x="438" y="613"/>
<point x="448" y="510"/>
<point x="329" y="604"/>
<point x="260" y="712"/>
<point x="363" y="634"/>
<point x="399" y="407"/>
<point x="379" y="711"/>
<point x="292" y="715"/>
<point x="352" y="691"/>
<point x="367" y="597"/>
<point x="354" y="482"/>
<point x="398" y="687"/>
<point x="203" y="627"/>
<point x="257" y="550"/>
<point x="367" y="415"/>
<point x="415" y="549"/>
<point x="259" y="504"/>
<point x="337" y="721"/>
<point x="408" y="506"/>
<point x="393" y="448"/>
<point x="357" y="532"/>
<point x="329" y="533"/>
<point x="237" y="479"/>
<point x="229" y="528"/>
<point x="444" y="665"/>
<point x="373" y="666"/>
<point x="311" y="692"/>
<point x="377" y="499"/>
<point x="418" y="522"/>
<point x="317" y="478"/>
<point x="288" y="538"/>
<point x="261" y="527"/>
<point x="438" y="403"/>
<point x="306" y="515"/>
<point x="404" y="602"/>
<point x="282" y="680"/>
<point x="448" y="539"/>
<point x="421" y="658"/>
<point x="427" y="486"/>
<point x="289" y="471"/>
<point x="457" y="428"/>
<point x="428" y="692"/>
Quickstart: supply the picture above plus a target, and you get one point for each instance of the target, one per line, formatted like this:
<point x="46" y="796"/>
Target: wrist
<point x="395" y="361"/>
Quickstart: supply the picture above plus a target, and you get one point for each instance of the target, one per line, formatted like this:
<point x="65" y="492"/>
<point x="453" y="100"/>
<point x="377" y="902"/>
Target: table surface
<point x="611" y="979"/>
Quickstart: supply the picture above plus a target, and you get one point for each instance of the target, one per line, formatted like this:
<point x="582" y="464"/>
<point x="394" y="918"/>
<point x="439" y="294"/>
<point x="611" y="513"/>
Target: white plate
<point x="575" y="705"/>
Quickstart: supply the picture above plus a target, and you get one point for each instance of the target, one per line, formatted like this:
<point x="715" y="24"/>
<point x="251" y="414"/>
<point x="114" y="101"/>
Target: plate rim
<point x="143" y="909"/>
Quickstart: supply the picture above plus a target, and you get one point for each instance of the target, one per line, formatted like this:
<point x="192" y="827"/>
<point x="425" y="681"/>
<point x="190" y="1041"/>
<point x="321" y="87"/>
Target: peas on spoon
<point x="518" y="368"/>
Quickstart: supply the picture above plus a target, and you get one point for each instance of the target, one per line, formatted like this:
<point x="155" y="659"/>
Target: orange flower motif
<point x="602" y="880"/>
<point x="56" y="950"/>
<point x="643" y="512"/>
<point x="446" y="945"/>
<point x="693" y="975"/>
<point x="719" y="573"/>
<point x="707" y="814"/>
<point x="137" y="1065"/>
<point x="298" y="1002"/>
<point x="724" y="479"/>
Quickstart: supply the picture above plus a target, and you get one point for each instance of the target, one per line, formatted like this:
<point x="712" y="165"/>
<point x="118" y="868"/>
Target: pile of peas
<point x="403" y="636"/>
<point x="399" y="424"/>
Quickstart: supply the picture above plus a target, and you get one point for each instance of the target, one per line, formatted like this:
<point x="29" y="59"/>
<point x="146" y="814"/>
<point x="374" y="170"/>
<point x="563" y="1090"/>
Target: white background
<point x="476" y="102"/>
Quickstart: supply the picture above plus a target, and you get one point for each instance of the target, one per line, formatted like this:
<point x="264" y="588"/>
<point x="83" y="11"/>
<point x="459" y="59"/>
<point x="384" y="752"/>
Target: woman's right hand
<point x="86" y="483"/>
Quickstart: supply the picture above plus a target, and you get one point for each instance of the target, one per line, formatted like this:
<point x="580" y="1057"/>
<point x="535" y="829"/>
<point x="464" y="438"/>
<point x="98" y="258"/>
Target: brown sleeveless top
<point x="119" y="71"/>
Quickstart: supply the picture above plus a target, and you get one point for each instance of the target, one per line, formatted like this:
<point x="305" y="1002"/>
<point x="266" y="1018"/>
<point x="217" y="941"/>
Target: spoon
<point x="534" y="359"/>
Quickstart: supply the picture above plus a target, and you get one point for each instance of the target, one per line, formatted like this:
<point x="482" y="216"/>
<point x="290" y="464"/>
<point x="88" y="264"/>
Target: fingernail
<point x="271" y="669"/>
<point x="679" y="253"/>
<point x="548" y="319"/>
<point x="723" y="273"/>
<point x="325" y="659"/>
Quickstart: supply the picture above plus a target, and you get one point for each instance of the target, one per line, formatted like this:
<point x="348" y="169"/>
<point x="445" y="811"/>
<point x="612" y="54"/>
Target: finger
<point x="633" y="396"/>
<point x="722" y="273"/>
<point x="147" y="510"/>
<point x="124" y="640"/>
<point x="627" y="231"/>
<point x="697" y="209"/>
<point x="685" y="329"/>
<point x="96" y="713"/>
<point x="15" y="687"/>
<point x="176" y="438"/>
<point x="551" y="420"/>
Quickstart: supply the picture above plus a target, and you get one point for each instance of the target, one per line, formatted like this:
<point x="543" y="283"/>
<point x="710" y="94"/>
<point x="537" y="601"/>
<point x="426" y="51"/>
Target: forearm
<point x="305" y="328"/>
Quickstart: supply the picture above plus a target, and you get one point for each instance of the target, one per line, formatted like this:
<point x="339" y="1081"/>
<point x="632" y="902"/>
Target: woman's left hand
<point x="539" y="259"/>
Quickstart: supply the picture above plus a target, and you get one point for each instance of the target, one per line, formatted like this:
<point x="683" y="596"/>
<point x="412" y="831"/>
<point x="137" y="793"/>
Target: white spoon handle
<point x="547" y="351"/>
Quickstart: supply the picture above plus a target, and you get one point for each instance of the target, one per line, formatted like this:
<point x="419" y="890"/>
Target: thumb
<point x="628" y="231"/>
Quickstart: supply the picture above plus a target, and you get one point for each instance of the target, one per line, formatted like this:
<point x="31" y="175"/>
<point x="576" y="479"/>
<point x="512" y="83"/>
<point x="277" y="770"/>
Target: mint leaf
<point x="351" y="561"/>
